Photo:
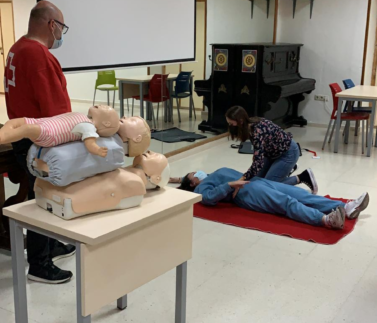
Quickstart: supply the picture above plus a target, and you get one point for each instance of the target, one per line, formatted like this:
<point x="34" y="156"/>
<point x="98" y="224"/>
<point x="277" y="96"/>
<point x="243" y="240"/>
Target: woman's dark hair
<point x="242" y="130"/>
<point x="186" y="184"/>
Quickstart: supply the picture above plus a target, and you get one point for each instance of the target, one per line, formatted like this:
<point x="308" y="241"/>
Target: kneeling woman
<point x="275" y="152"/>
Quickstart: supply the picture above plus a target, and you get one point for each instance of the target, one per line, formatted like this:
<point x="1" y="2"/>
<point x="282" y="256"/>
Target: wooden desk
<point x="117" y="251"/>
<point x="358" y="93"/>
<point x="16" y="175"/>
<point x="138" y="85"/>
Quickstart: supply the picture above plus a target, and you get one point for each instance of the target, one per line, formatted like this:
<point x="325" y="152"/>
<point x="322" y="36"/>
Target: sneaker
<point x="49" y="274"/>
<point x="335" y="219"/>
<point x="62" y="250"/>
<point x="293" y="169"/>
<point x="355" y="207"/>
<point x="307" y="178"/>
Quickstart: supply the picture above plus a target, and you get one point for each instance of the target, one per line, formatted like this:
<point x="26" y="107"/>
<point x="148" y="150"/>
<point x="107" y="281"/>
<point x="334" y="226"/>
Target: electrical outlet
<point x="320" y="98"/>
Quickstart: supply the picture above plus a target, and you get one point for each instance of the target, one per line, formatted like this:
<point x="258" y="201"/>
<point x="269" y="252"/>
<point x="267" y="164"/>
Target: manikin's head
<point x="105" y="119"/>
<point x="155" y="167"/>
<point x="192" y="180"/>
<point x="46" y="24"/>
<point x="136" y="132"/>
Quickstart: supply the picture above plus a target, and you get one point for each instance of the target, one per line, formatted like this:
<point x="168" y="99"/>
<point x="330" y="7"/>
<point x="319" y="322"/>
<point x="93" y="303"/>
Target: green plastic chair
<point x="106" y="78"/>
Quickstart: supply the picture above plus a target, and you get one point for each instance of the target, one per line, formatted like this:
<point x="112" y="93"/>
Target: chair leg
<point x="362" y="140"/>
<point x="94" y="99"/>
<point x="108" y="97"/>
<point x="357" y="126"/>
<point x="153" y="118"/>
<point x="133" y="102"/>
<point x="114" y="100"/>
<point x="128" y="106"/>
<point x="179" y="113"/>
<point x="333" y="128"/>
<point x="193" y="106"/>
<point x="158" y="108"/>
<point x="327" y="133"/>
<point x="170" y="109"/>
<point x="347" y="132"/>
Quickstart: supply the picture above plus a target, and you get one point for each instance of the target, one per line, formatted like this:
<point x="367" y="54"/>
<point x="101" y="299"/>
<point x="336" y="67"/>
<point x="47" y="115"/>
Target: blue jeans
<point x="278" y="169"/>
<point x="293" y="202"/>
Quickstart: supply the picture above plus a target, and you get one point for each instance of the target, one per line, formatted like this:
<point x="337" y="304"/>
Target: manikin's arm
<point x="17" y="129"/>
<point x="93" y="148"/>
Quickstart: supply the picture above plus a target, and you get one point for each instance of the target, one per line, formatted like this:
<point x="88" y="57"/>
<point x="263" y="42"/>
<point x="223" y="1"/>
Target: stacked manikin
<point x="82" y="171"/>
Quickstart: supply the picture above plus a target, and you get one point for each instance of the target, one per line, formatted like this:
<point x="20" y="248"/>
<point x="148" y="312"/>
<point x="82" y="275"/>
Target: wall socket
<point x="323" y="98"/>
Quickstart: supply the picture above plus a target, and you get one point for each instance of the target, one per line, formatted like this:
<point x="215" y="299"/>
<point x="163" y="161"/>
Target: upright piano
<point x="263" y="78"/>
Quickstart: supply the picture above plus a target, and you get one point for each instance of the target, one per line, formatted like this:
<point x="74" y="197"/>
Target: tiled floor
<point x="245" y="276"/>
<point x="187" y="124"/>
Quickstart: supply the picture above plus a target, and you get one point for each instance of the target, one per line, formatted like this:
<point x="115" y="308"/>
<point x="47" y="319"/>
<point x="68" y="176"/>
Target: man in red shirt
<point x="35" y="87"/>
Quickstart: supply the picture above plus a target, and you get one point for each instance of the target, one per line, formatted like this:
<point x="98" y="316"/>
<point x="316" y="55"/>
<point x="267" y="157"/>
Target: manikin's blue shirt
<point x="215" y="187"/>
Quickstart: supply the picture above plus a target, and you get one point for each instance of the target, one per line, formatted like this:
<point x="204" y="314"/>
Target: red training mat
<point x="233" y="215"/>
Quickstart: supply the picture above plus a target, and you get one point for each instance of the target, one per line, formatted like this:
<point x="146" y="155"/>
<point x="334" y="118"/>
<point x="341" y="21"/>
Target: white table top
<point x="97" y="228"/>
<point x="145" y="78"/>
<point x="360" y="92"/>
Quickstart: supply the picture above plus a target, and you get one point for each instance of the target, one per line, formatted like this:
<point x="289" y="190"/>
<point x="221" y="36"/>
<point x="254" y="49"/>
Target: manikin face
<point x="155" y="167"/>
<point x="136" y="132"/>
<point x="105" y="119"/>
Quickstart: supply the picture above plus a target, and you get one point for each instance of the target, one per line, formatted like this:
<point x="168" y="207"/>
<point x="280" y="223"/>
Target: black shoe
<point x="293" y="169"/>
<point x="49" y="274"/>
<point x="307" y="178"/>
<point x="60" y="250"/>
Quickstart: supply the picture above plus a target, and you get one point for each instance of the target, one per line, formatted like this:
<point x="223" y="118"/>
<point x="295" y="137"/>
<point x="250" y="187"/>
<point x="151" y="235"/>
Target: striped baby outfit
<point x="58" y="130"/>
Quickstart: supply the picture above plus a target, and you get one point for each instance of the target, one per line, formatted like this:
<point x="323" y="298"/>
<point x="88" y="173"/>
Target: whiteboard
<point x="107" y="34"/>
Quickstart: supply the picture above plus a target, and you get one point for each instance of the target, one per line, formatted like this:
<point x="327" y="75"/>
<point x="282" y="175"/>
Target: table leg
<point x="339" y="113"/>
<point x="170" y="118"/>
<point x="180" y="300"/>
<point x="122" y="302"/>
<point x="121" y="102"/>
<point x="191" y="99"/>
<point x="141" y="100"/>
<point x="18" y="268"/>
<point x="371" y="129"/>
<point x="80" y="317"/>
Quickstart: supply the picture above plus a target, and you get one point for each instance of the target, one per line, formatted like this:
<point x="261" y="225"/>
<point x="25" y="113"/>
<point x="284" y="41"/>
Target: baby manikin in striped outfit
<point x="101" y="121"/>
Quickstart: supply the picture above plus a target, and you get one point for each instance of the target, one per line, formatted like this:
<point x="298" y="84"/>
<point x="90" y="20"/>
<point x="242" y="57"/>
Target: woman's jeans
<point x="278" y="169"/>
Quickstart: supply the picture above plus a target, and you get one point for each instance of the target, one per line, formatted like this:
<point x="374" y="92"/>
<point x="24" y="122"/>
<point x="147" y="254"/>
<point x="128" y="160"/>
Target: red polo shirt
<point x="35" y="86"/>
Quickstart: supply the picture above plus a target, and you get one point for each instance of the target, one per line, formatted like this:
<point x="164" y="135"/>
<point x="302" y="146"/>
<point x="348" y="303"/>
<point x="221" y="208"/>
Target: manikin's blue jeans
<point x="278" y="169"/>
<point x="293" y="202"/>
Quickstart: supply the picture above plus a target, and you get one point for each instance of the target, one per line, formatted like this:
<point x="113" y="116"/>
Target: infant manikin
<point x="152" y="168"/>
<point x="135" y="134"/>
<point x="101" y="121"/>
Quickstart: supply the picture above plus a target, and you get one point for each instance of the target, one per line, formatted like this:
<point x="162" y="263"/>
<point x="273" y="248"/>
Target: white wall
<point x="229" y="21"/>
<point x="80" y="85"/>
<point x="333" y="45"/>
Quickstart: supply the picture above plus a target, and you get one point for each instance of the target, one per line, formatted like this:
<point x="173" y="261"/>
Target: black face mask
<point x="233" y="130"/>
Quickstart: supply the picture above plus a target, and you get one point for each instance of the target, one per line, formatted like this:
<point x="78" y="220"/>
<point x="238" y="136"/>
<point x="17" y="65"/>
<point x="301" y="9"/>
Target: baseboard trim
<point x="197" y="147"/>
<point x="117" y="104"/>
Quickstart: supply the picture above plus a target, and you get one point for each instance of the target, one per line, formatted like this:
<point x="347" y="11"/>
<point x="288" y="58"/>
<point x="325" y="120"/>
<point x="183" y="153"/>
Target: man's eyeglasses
<point x="64" y="27"/>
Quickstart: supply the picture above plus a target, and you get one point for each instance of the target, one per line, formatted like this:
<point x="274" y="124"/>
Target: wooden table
<point x="16" y="175"/>
<point x="362" y="93"/>
<point x="117" y="251"/>
<point x="138" y="85"/>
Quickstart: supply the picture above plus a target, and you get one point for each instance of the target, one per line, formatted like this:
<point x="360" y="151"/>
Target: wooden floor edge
<point x="195" y="145"/>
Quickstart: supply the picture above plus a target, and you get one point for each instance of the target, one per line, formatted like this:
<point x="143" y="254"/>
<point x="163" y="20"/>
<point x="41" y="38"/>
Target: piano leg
<point x="294" y="119"/>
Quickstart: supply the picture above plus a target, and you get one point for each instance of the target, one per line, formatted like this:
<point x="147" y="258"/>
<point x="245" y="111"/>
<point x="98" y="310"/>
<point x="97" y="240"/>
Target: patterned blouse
<point x="269" y="141"/>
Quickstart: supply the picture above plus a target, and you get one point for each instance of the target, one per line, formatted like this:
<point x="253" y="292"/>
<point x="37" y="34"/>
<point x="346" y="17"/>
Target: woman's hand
<point x="175" y="180"/>
<point x="237" y="185"/>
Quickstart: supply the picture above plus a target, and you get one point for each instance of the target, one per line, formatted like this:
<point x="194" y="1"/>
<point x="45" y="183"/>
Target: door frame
<point x="14" y="30"/>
